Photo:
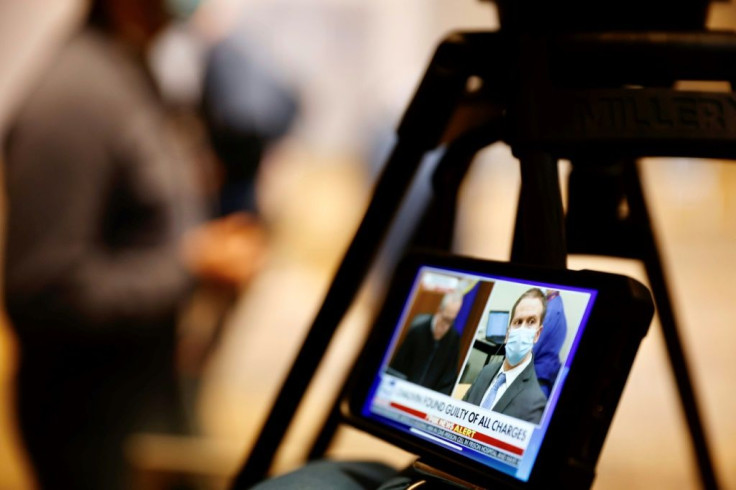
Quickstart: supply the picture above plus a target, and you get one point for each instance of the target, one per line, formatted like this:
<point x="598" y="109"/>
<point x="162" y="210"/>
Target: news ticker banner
<point x="452" y="423"/>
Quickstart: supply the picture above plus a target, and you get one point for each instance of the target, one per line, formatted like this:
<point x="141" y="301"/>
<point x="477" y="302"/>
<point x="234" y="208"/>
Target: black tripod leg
<point x="437" y="227"/>
<point x="658" y="282"/>
<point x="539" y="233"/>
<point x="435" y="231"/>
<point x="597" y="219"/>
<point x="421" y="129"/>
<point x="389" y="191"/>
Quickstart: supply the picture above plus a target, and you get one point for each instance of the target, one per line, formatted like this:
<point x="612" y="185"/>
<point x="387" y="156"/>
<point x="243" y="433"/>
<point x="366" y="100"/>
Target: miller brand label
<point x="656" y="112"/>
<point x="635" y="114"/>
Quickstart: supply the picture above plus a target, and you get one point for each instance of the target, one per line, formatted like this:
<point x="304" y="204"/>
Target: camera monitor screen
<point x="439" y="383"/>
<point x="431" y="400"/>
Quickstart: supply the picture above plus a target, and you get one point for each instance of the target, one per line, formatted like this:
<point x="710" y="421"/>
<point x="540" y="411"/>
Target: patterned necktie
<point x="488" y="400"/>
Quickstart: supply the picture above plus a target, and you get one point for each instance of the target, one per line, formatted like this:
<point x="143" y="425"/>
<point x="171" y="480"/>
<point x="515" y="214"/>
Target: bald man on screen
<point x="428" y="355"/>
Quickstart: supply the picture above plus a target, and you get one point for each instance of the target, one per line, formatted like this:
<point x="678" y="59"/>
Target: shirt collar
<point x="515" y="371"/>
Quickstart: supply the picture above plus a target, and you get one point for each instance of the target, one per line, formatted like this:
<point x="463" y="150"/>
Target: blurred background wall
<point x="354" y="65"/>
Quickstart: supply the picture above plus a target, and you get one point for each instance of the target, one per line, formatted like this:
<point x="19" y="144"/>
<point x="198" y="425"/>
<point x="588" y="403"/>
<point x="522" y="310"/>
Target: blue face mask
<point x="520" y="342"/>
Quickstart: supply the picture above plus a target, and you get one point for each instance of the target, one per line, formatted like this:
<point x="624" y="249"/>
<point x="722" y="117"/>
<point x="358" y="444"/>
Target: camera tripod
<point x="597" y="91"/>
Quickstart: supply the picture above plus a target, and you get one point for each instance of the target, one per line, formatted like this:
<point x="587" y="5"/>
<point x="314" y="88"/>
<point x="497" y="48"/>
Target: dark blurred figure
<point x="101" y="194"/>
<point x="245" y="107"/>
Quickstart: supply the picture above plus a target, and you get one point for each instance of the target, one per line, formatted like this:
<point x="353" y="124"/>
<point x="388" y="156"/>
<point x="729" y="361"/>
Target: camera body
<point x="536" y="16"/>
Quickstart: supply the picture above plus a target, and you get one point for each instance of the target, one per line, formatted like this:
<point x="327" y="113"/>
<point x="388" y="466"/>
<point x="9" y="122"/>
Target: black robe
<point x="426" y="361"/>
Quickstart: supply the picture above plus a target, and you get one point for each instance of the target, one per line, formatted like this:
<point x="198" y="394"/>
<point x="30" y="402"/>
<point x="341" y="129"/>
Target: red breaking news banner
<point x="461" y="430"/>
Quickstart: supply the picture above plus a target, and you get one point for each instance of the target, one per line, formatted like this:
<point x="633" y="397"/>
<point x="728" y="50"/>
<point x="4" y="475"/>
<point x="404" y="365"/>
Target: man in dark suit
<point x="511" y="386"/>
<point x="428" y="355"/>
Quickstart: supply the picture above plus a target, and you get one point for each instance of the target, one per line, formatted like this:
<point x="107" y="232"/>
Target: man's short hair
<point x="532" y="293"/>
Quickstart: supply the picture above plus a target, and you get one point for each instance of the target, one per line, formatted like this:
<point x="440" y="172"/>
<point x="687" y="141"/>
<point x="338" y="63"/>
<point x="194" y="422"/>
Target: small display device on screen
<point x="438" y="381"/>
<point x="498" y="321"/>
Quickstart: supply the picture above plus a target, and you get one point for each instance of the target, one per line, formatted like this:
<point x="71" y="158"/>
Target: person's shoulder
<point x="420" y="326"/>
<point x="533" y="388"/>
<point x="492" y="367"/>
<point x="421" y="320"/>
<point x="90" y="82"/>
<point x="529" y="371"/>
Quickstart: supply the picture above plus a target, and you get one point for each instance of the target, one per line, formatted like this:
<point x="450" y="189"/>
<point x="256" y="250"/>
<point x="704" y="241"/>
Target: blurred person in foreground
<point x="104" y="242"/>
